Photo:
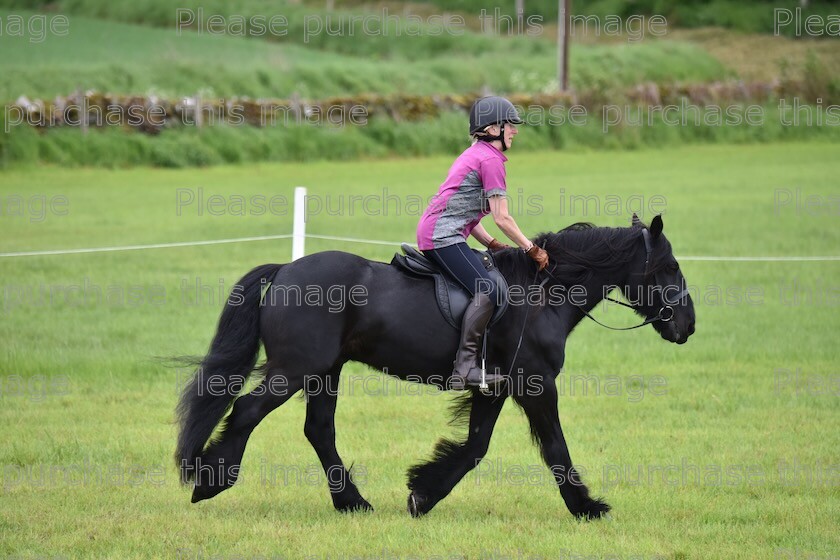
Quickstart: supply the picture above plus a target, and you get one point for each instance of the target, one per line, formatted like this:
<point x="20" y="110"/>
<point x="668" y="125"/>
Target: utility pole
<point x="563" y="18"/>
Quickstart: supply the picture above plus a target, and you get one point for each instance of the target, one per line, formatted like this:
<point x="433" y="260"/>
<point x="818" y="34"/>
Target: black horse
<point x="393" y="324"/>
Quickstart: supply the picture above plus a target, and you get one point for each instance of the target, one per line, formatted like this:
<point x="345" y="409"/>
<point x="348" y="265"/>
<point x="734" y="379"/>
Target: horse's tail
<point x="232" y="357"/>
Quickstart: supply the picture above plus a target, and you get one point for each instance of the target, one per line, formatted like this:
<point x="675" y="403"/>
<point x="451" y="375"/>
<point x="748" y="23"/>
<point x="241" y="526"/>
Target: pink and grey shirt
<point x="461" y="201"/>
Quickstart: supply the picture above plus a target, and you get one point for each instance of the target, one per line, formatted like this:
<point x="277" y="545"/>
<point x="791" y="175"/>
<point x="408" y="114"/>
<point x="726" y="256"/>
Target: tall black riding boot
<point x="466" y="371"/>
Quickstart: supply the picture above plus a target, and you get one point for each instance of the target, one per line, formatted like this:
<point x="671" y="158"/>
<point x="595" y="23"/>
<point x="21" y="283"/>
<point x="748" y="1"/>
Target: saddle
<point x="452" y="298"/>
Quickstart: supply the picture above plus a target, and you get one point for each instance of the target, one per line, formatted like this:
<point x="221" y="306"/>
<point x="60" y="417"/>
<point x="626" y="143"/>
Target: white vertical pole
<point x="299" y="227"/>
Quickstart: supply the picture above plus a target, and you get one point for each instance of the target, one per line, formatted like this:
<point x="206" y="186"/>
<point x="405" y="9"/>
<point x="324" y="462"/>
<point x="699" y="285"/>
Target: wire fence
<point x="88" y="250"/>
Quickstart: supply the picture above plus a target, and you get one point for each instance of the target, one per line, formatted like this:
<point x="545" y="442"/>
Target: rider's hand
<point x="539" y="255"/>
<point x="495" y="245"/>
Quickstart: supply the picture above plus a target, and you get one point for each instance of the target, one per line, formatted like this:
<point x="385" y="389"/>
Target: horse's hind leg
<point x="321" y="394"/>
<point x="431" y="482"/>
<point x="219" y="464"/>
<point x="541" y="410"/>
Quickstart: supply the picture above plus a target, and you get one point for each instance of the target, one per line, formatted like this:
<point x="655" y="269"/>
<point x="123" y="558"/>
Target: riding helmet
<point x="492" y="110"/>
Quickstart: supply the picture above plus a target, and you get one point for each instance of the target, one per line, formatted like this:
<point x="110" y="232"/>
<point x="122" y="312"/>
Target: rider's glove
<point x="538" y="254"/>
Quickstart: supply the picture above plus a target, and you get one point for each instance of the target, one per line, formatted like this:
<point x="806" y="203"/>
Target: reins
<point x="666" y="312"/>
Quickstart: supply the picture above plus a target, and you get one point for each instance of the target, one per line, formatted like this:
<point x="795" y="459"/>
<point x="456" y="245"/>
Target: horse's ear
<point x="635" y="221"/>
<point x="656" y="226"/>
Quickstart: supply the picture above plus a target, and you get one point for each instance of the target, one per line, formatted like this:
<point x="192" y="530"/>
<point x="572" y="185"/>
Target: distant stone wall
<point x="151" y="114"/>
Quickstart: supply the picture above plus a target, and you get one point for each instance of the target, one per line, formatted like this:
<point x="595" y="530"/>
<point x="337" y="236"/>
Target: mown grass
<point x="750" y="16"/>
<point x="725" y="404"/>
<point x="762" y="57"/>
<point x="157" y="61"/>
<point x="753" y="16"/>
<point x="125" y="58"/>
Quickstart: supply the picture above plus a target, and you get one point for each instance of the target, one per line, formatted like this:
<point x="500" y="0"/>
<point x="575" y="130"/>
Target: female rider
<point x="474" y="187"/>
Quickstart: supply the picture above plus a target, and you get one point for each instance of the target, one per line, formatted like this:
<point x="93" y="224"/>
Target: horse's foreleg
<point x="219" y="464"/>
<point x="321" y="394"/>
<point x="541" y="410"/>
<point x="431" y="482"/>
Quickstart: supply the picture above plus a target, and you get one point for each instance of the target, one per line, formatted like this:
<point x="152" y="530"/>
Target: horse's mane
<point x="575" y="252"/>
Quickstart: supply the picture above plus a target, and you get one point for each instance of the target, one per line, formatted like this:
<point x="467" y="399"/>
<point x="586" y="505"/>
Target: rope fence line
<point x="299" y="235"/>
<point x="761" y="259"/>
<point x="89" y="250"/>
<point x="143" y="247"/>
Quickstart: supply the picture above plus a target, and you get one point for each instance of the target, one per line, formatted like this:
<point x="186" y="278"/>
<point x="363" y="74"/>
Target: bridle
<point x="666" y="312"/>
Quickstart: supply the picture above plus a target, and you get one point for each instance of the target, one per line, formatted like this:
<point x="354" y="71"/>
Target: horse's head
<point x="656" y="286"/>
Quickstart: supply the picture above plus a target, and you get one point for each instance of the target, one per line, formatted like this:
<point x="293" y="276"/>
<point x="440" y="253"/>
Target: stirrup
<point x="477" y="377"/>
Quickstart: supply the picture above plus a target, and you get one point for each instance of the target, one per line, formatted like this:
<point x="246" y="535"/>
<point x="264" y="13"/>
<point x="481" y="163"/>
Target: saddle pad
<point x="452" y="298"/>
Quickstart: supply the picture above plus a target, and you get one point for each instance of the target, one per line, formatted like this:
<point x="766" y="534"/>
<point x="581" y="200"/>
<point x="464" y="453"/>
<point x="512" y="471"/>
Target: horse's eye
<point x="673" y="267"/>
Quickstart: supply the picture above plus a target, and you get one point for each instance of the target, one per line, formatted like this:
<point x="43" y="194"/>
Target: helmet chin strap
<point x="500" y="137"/>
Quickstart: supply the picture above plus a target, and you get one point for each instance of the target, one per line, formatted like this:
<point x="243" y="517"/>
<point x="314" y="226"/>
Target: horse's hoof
<point x="595" y="509"/>
<point x="361" y="505"/>
<point x="206" y="492"/>
<point x="416" y="505"/>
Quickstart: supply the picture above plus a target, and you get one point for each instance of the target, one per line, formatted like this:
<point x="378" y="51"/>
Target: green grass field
<point x="734" y="457"/>
<point x="135" y="49"/>
<point x="142" y="60"/>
